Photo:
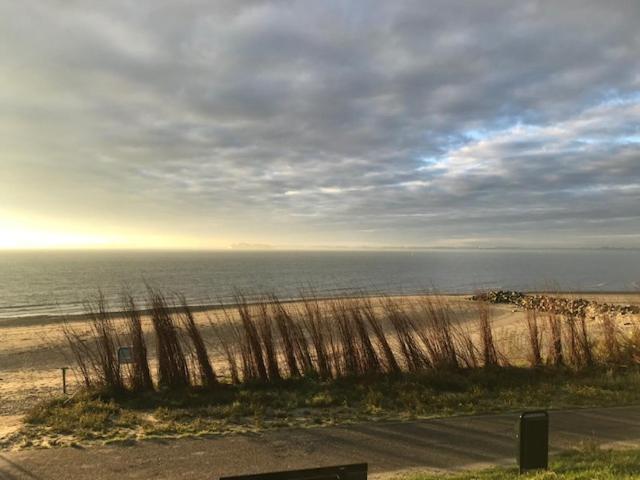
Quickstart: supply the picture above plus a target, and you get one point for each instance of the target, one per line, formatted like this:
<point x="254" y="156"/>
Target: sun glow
<point x="33" y="234"/>
<point x="19" y="235"/>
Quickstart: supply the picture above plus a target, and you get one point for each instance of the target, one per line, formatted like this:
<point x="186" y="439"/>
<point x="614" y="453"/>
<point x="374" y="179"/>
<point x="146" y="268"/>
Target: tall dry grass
<point x="369" y="359"/>
<point x="173" y="371"/>
<point x="229" y="341"/>
<point x="82" y="353"/>
<point x="251" y="351"/>
<point x="586" y="343"/>
<point x="487" y="343"/>
<point x="572" y="342"/>
<point x="96" y="354"/>
<point x="139" y="372"/>
<point x="436" y="332"/>
<point x="556" y="350"/>
<point x="270" y="340"/>
<point x="319" y="337"/>
<point x="388" y="358"/>
<point x="467" y="349"/>
<point x="612" y="348"/>
<point x="288" y="338"/>
<point x="205" y="373"/>
<point x="349" y="360"/>
<point x="414" y="358"/>
<point x="535" y="340"/>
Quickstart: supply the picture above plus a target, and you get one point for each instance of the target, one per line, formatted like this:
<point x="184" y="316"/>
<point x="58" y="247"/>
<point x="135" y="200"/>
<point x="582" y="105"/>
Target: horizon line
<point x="283" y="248"/>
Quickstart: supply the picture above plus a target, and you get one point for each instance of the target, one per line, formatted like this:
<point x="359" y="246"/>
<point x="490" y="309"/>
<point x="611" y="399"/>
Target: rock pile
<point x="500" y="296"/>
<point x="562" y="306"/>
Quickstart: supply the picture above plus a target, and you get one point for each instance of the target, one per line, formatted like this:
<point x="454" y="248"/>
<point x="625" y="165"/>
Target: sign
<point x="125" y="355"/>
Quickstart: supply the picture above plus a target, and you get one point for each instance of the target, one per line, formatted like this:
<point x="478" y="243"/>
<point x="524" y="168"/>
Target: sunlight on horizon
<point x="19" y="235"/>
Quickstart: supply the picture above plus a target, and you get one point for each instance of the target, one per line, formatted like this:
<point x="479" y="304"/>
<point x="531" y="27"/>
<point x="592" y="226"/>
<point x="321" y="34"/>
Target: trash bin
<point x="532" y="432"/>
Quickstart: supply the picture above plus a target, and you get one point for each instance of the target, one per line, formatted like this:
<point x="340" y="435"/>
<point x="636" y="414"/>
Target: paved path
<point x="452" y="443"/>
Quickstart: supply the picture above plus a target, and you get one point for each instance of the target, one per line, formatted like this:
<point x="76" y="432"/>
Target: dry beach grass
<point x="344" y="337"/>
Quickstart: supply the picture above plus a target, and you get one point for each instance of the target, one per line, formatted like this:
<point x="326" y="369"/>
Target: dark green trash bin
<point x="533" y="440"/>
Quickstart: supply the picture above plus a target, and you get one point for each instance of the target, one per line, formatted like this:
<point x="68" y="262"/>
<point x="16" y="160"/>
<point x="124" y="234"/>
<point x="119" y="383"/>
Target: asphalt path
<point x="389" y="448"/>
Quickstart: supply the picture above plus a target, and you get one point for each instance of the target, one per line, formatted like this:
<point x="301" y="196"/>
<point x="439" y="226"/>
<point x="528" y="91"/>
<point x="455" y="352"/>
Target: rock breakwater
<point x="577" y="307"/>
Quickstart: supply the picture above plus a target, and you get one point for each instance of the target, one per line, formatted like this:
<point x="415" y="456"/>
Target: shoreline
<point x="56" y="319"/>
<point x="53" y="319"/>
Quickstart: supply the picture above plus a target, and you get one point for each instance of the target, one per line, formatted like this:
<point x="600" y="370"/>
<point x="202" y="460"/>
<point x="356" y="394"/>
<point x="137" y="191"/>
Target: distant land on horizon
<point x="318" y="248"/>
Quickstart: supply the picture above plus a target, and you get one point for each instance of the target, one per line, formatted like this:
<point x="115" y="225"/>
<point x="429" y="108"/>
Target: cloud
<point x="286" y="122"/>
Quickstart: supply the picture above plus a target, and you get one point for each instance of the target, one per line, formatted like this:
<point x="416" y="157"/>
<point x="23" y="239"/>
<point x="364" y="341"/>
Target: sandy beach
<point x="32" y="352"/>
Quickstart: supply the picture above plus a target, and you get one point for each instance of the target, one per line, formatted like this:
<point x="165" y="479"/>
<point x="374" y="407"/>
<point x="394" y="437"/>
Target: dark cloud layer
<point x="405" y="123"/>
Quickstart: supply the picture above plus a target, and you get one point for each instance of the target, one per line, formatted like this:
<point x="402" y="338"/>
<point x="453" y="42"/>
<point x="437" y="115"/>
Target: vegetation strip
<point x="584" y="464"/>
<point x="100" y="417"/>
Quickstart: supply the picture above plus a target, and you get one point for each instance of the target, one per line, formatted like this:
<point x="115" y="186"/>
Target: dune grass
<point x="269" y="341"/>
<point x="585" y="464"/>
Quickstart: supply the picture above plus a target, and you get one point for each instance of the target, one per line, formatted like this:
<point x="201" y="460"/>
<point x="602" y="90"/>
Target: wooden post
<point x="64" y="379"/>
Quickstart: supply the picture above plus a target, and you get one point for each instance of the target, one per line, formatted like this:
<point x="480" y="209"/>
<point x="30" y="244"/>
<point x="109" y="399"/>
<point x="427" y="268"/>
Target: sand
<point x="32" y="352"/>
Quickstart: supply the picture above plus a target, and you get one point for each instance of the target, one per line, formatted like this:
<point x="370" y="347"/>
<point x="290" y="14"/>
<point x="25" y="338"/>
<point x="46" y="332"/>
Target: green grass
<point x="581" y="465"/>
<point x="308" y="402"/>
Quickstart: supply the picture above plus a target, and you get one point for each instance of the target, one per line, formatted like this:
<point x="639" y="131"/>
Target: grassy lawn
<point x="583" y="465"/>
<point x="306" y="402"/>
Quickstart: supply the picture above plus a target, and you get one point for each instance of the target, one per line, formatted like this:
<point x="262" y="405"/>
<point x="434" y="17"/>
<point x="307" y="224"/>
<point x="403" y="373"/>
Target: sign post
<point x="64" y="379"/>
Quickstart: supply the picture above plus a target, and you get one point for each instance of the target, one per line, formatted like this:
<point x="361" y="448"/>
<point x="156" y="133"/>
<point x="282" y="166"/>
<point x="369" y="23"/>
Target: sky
<point x="297" y="124"/>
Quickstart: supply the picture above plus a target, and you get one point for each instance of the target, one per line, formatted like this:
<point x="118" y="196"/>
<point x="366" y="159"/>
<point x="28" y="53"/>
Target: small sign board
<point x="125" y="355"/>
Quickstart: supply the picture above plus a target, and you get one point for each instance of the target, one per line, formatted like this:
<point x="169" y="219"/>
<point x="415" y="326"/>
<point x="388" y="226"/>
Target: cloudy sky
<point x="354" y="123"/>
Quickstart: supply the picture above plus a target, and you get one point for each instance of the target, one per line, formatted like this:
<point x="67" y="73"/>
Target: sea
<point x="58" y="283"/>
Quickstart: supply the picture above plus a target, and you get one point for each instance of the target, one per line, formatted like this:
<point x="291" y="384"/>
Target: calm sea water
<point x="55" y="283"/>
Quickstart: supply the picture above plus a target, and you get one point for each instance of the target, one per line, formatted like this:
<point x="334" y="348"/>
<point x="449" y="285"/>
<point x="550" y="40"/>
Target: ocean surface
<point x="57" y="283"/>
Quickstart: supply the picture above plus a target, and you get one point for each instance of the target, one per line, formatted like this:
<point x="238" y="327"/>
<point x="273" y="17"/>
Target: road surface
<point x="450" y="443"/>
